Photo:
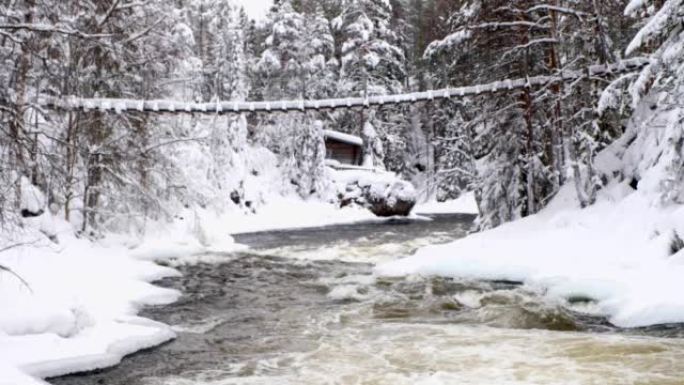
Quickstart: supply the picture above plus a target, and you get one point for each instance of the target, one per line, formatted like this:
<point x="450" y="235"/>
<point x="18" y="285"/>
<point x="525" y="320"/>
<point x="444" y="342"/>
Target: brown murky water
<point x="302" y="307"/>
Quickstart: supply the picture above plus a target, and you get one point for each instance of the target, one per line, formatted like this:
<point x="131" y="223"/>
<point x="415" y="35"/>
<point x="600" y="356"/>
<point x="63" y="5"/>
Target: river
<point x="302" y="307"/>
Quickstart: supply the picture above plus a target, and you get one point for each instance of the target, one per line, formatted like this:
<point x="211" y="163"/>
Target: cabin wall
<point x="342" y="152"/>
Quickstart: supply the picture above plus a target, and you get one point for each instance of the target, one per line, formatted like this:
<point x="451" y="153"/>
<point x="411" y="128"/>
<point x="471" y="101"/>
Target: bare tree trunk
<point x="604" y="53"/>
<point x="529" y="166"/>
<point x="577" y="172"/>
<point x="430" y="150"/>
<point x="16" y="126"/>
<point x="72" y="127"/>
<point x="91" y="195"/>
<point x="556" y="129"/>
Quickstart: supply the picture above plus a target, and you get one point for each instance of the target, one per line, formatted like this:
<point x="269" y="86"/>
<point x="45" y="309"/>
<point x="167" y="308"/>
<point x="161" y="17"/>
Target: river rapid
<point x="303" y="307"/>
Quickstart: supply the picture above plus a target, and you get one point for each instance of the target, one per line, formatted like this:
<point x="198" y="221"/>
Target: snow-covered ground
<point x="288" y="213"/>
<point x="465" y="204"/>
<point x="78" y="311"/>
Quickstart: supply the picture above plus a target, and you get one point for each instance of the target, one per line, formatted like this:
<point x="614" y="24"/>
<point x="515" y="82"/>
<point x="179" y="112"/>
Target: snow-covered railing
<point x="171" y="106"/>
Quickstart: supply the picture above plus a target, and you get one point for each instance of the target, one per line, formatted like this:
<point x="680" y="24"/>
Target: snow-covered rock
<point x="33" y="200"/>
<point x="383" y="193"/>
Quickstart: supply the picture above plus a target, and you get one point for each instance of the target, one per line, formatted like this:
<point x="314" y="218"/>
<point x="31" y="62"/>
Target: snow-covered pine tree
<point x="373" y="153"/>
<point x="654" y="139"/>
<point x="296" y="65"/>
<point x="454" y="158"/>
<point x="228" y="139"/>
<point x="507" y="41"/>
<point x="372" y="63"/>
<point x="282" y="63"/>
<point x="321" y="68"/>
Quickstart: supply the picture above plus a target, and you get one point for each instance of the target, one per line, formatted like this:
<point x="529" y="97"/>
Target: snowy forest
<point x="492" y="192"/>
<point x="514" y="149"/>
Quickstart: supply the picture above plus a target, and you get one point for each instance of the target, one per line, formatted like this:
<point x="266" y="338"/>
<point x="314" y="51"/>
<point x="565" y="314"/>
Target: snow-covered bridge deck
<point x="170" y="106"/>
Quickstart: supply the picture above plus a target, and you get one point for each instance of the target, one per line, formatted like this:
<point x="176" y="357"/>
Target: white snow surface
<point x="256" y="9"/>
<point x="465" y="204"/>
<point x="79" y="310"/>
<point x="288" y="213"/>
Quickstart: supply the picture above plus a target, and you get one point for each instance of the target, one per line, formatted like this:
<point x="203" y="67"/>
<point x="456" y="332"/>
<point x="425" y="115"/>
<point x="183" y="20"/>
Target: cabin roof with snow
<point x="342" y="137"/>
<point x="343" y="148"/>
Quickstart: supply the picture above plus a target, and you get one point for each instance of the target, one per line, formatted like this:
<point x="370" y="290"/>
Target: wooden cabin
<point x="343" y="148"/>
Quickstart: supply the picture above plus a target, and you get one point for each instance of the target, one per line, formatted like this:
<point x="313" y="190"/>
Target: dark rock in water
<point x="580" y="299"/>
<point x="502" y="284"/>
<point x="451" y="305"/>
<point x="441" y="286"/>
<point x="390" y="310"/>
<point x="546" y="319"/>
<point x="671" y="330"/>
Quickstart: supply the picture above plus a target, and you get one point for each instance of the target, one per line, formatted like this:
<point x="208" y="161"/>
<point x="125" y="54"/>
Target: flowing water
<point x="302" y="307"/>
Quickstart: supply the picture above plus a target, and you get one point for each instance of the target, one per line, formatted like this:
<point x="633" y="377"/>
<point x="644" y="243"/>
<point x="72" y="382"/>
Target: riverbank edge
<point x="79" y="310"/>
<point x="620" y="252"/>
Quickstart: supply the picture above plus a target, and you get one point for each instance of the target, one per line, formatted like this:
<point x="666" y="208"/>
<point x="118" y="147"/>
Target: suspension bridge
<point x="72" y="103"/>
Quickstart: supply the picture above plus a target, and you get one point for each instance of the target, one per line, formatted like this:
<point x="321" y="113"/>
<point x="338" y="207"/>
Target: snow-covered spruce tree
<point x="295" y="65"/>
<point x="372" y="63"/>
<point x="282" y="62"/>
<point x="654" y="140"/>
<point x="228" y="138"/>
<point x="412" y="142"/>
<point x="206" y="17"/>
<point x="121" y="153"/>
<point x="510" y="42"/>
<point x="454" y="161"/>
<point x="589" y="33"/>
<point x="309" y="171"/>
<point x="373" y="152"/>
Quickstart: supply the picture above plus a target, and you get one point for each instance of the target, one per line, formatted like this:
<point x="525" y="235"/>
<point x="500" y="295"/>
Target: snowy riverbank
<point x="625" y="252"/>
<point x="79" y="311"/>
<point x="616" y="252"/>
